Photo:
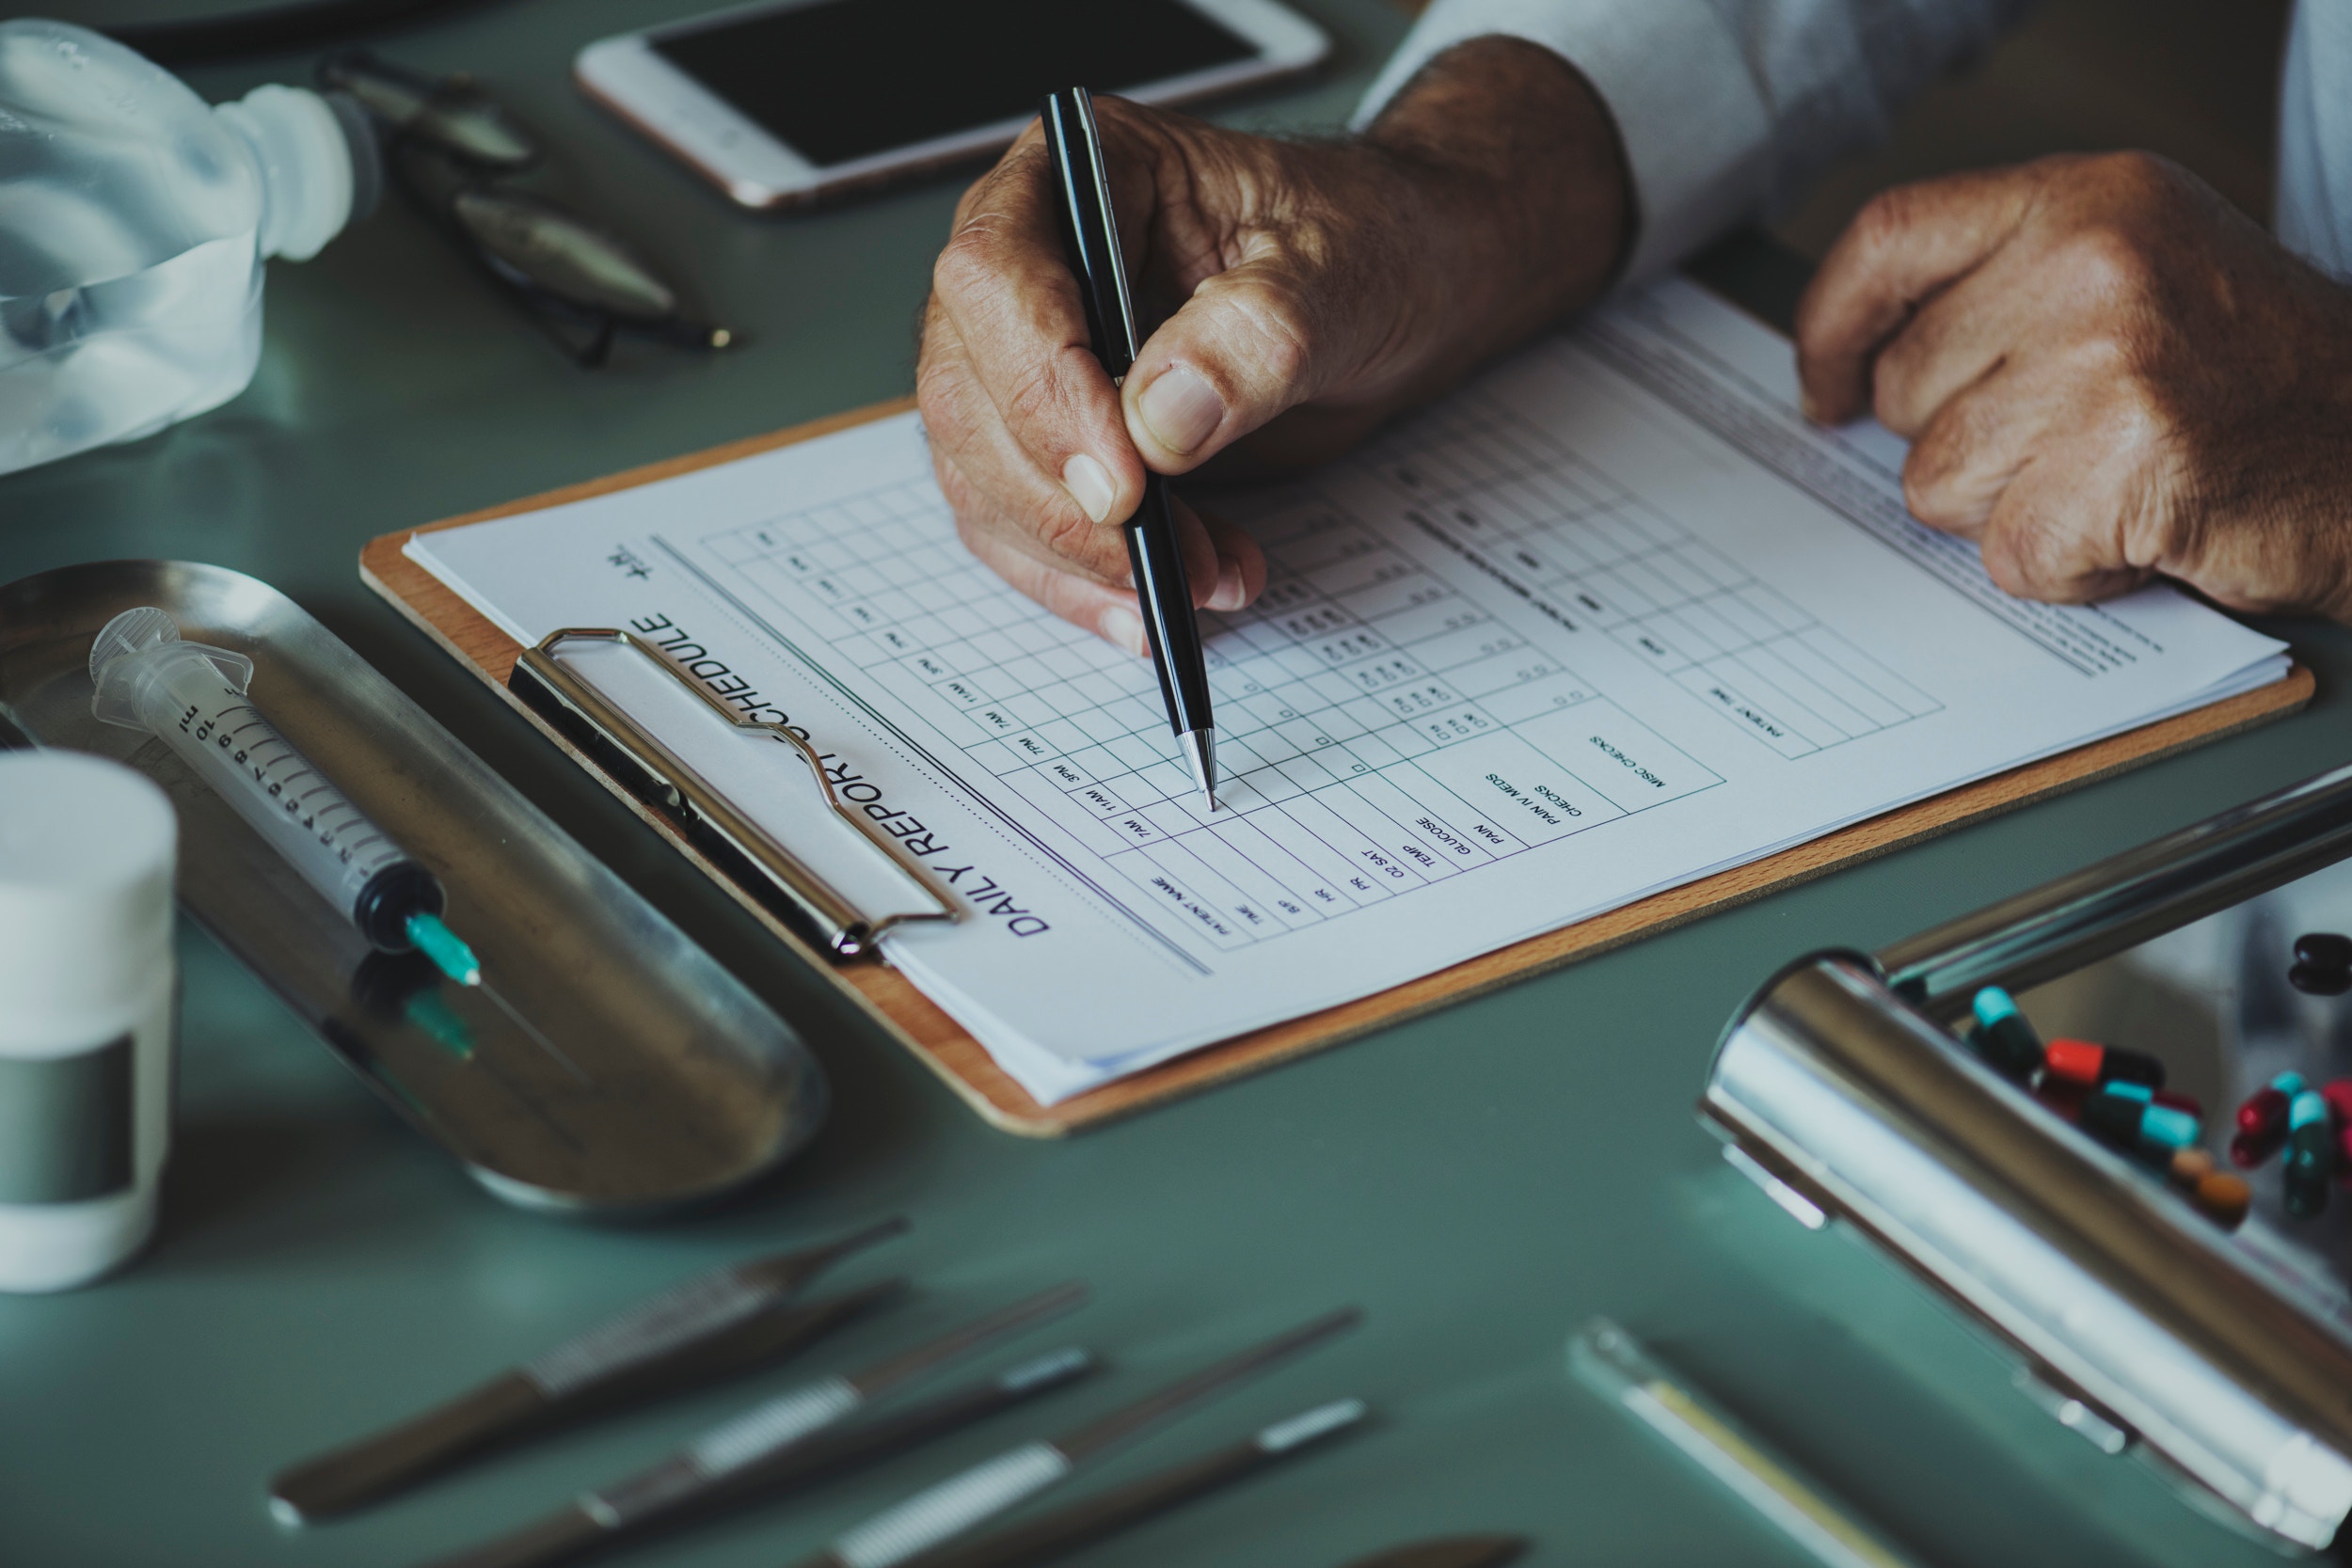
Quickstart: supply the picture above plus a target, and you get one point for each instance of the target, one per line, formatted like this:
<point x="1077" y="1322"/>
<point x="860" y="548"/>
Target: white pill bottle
<point x="88" y="991"/>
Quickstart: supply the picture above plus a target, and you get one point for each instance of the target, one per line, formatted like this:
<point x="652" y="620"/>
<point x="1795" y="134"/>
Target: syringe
<point x="193" y="698"/>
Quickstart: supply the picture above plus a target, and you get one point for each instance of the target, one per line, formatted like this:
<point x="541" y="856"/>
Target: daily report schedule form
<point x="1610" y="619"/>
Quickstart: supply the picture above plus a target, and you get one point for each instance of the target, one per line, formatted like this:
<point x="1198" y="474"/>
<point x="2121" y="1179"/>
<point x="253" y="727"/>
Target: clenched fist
<point x="2106" y="373"/>
<point x="1317" y="288"/>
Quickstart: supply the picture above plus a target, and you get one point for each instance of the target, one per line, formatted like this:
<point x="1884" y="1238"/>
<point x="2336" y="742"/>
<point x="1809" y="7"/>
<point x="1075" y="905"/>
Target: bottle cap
<point x="86" y="850"/>
<point x="312" y="166"/>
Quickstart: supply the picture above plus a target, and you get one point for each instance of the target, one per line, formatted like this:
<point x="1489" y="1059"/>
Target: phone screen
<point x="843" y="79"/>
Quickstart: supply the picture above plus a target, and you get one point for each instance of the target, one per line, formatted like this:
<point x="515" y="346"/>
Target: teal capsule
<point x="2169" y="1125"/>
<point x="2310" y="1166"/>
<point x="2140" y="1092"/>
<point x="2002" y="1037"/>
<point x="2127" y="1123"/>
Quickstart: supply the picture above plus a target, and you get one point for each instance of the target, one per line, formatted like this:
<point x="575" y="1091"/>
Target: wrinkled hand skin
<point x="2106" y="374"/>
<point x="1320" y="287"/>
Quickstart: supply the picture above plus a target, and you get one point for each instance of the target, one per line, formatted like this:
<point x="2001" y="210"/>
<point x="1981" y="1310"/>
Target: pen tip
<point x="1200" y="750"/>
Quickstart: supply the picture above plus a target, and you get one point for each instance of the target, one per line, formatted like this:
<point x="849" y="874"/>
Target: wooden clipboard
<point x="956" y="1057"/>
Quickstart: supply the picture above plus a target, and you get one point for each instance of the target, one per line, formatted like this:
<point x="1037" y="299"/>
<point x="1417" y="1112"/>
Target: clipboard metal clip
<point x="758" y="862"/>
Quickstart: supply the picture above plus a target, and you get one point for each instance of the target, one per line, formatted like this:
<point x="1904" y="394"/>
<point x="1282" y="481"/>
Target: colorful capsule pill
<point x="2002" y="1037"/>
<point x="2218" y="1195"/>
<point x="2110" y="1119"/>
<point x="2262" y="1121"/>
<point x="2223" y="1198"/>
<point x="2124" y="1122"/>
<point x="2262" y="1113"/>
<point x="2311" y="1158"/>
<point x="2179" y="1101"/>
<point x="2324" y="950"/>
<point x="2337" y="1092"/>
<point x="2085" y="1062"/>
<point x="2312" y="980"/>
<point x="2169" y="1126"/>
<point x="2064" y="1099"/>
<point x="2306" y="1180"/>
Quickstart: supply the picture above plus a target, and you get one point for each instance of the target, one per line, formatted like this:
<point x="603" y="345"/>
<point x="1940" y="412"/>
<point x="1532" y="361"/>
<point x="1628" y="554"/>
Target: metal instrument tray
<point x="2227" y="1357"/>
<point x="606" y="1065"/>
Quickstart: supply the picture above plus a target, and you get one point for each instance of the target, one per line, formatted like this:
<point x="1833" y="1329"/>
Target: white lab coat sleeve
<point x="1727" y="107"/>
<point x="2314" y="214"/>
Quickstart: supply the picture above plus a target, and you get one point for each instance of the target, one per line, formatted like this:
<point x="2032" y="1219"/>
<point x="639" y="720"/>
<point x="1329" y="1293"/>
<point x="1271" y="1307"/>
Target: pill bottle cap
<point x="86" y="850"/>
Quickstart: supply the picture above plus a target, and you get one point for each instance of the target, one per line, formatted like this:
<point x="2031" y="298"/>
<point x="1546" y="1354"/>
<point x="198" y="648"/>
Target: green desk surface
<point x="1481" y="1181"/>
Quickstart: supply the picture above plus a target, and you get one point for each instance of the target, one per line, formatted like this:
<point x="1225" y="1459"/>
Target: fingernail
<point x="1180" y="410"/>
<point x="1227" y="593"/>
<point x="1123" y="627"/>
<point x="1810" y="408"/>
<point x="1089" y="484"/>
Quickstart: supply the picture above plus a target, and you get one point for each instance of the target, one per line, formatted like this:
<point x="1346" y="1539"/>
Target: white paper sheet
<point x="1610" y="619"/>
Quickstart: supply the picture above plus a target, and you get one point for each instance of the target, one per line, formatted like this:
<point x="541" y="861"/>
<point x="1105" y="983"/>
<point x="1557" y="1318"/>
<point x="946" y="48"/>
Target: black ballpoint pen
<point x="1089" y="233"/>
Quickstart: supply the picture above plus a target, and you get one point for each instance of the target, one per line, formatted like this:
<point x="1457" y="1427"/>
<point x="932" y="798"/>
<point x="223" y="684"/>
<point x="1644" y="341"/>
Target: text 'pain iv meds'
<point x="194" y="699"/>
<point x="86" y="987"/>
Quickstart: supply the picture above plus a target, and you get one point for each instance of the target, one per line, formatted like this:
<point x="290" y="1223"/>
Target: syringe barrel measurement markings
<point x="269" y="783"/>
<point x="194" y="699"/>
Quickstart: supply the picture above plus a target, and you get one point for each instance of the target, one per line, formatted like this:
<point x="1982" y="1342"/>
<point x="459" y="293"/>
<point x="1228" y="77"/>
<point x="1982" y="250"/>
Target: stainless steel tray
<point x="2227" y="1357"/>
<point x="607" y="1066"/>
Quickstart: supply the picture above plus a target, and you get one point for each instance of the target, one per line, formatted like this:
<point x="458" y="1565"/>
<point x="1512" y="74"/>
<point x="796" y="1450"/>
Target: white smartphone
<point x="795" y="101"/>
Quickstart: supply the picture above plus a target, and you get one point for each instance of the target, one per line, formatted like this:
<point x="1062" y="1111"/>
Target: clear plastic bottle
<point x="134" y="218"/>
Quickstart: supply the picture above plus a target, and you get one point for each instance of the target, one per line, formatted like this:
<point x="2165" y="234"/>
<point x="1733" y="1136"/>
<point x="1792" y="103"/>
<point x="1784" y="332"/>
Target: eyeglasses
<point x="456" y="151"/>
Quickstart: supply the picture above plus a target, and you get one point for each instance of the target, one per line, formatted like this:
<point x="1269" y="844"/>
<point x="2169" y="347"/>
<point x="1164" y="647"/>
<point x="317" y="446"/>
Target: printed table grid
<point x="1543" y="515"/>
<point x="1378" y="732"/>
